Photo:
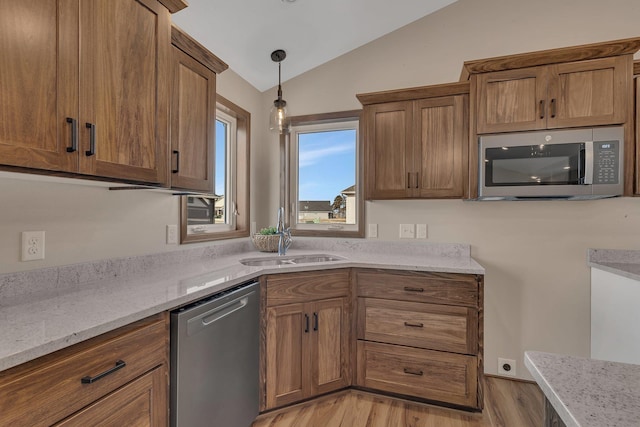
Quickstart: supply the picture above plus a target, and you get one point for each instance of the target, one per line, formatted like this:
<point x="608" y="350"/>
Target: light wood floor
<point x="507" y="404"/>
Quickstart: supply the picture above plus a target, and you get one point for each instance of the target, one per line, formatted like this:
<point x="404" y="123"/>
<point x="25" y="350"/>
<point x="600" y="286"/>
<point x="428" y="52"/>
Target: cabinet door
<point x="388" y="146"/>
<point x="39" y="57"/>
<point x="287" y="364"/>
<point x="512" y="100"/>
<point x="589" y="93"/>
<point x="142" y="402"/>
<point x="124" y="89"/>
<point x="330" y="345"/>
<point x="440" y="130"/>
<point x="193" y="121"/>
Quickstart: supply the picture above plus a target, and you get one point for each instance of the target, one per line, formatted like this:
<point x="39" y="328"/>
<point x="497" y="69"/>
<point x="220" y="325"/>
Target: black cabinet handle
<point x="177" y="169"/>
<point x="414" y="325"/>
<point x="408" y="179"/>
<point x="410" y="289"/>
<point x="74" y="135"/>
<point x="416" y="372"/>
<point x="306" y="323"/>
<point x="92" y="139"/>
<point x="542" y="108"/>
<point x="315" y="321"/>
<point x="417" y="179"/>
<point x="88" y="380"/>
<point x="553" y="108"/>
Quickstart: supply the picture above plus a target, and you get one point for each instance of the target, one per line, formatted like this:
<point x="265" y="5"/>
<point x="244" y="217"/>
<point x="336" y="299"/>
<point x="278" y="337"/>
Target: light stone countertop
<point x="622" y="262"/>
<point x="45" y="310"/>
<point x="588" y="392"/>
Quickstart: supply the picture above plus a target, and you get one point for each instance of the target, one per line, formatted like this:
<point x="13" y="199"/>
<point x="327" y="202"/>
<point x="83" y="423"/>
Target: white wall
<point x="84" y="222"/>
<point x="537" y="281"/>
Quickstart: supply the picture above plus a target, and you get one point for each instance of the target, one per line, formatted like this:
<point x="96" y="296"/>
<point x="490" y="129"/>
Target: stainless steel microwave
<point x="572" y="164"/>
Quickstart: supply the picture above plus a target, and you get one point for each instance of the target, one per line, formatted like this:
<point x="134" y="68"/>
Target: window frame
<point x="288" y="193"/>
<point x="237" y="187"/>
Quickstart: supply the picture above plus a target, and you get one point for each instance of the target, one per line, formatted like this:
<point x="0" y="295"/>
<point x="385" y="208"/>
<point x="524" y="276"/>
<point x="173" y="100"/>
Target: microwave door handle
<point x="588" y="162"/>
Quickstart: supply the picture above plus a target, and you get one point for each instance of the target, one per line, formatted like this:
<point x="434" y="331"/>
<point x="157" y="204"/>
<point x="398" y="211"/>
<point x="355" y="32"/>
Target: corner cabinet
<point x="119" y="378"/>
<point x="415" y="142"/>
<point x="572" y="94"/>
<point x="306" y="336"/>
<point x="193" y="113"/>
<point x="86" y="92"/>
<point x="419" y="335"/>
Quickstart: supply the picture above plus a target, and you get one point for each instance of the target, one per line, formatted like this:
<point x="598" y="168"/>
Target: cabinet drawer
<point x="437" y="288"/>
<point x="292" y="288"/>
<point x="426" y="374"/>
<point x="437" y="327"/>
<point x="48" y="389"/>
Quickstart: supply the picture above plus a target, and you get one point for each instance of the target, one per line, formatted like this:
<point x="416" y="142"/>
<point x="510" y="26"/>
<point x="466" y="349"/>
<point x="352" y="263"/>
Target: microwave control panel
<point x="606" y="165"/>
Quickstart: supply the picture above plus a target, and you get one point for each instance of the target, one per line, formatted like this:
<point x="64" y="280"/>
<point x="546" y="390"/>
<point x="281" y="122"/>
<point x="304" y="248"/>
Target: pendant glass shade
<point x="278" y="116"/>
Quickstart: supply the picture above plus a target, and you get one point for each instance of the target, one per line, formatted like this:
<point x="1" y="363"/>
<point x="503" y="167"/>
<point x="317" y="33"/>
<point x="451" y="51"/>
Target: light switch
<point x="421" y="231"/>
<point x="407" y="231"/>
<point x="373" y="231"/>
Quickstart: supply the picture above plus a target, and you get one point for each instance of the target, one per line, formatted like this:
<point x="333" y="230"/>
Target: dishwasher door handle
<point x="200" y="322"/>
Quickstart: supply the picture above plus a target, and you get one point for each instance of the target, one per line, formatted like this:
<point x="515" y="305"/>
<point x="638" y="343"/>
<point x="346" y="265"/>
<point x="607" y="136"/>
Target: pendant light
<point x="278" y="115"/>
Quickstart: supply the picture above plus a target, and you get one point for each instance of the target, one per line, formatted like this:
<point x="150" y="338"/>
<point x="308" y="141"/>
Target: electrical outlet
<point x="172" y="234"/>
<point x="506" y="367"/>
<point x="407" y="231"/>
<point x="421" y="231"/>
<point x="32" y="245"/>
<point x="373" y="231"/>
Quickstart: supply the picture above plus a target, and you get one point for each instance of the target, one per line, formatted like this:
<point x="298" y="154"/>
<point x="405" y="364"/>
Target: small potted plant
<point x="266" y="240"/>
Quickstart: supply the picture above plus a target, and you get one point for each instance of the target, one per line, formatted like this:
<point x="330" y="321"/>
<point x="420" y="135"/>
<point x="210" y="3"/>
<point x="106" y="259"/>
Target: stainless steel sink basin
<point x="290" y="260"/>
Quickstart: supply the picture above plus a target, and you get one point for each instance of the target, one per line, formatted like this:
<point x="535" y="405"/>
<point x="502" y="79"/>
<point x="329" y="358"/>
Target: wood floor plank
<point x="507" y="404"/>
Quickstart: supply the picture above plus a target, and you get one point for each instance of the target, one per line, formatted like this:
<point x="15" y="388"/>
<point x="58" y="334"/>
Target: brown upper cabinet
<point x="193" y="113"/>
<point x="97" y="107"/>
<point x="415" y="142"/>
<point x="573" y="94"/>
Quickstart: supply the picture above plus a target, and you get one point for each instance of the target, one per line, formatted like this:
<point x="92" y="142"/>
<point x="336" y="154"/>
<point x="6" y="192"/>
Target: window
<point x="324" y="173"/>
<point x="225" y="214"/>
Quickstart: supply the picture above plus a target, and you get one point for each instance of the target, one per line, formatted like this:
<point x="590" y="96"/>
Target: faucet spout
<point x="285" y="233"/>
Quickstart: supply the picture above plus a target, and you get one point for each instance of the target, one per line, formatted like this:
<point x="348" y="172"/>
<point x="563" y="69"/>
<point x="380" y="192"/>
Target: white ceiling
<point x="243" y="33"/>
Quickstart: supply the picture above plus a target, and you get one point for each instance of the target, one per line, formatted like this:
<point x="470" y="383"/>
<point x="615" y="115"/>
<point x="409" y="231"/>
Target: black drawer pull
<point x="410" y="289"/>
<point x="88" y="380"/>
<point x="306" y="323"/>
<point x="315" y="321"/>
<point x="414" y="325"/>
<point x="553" y="108"/>
<point x="542" y="109"/>
<point x="416" y="372"/>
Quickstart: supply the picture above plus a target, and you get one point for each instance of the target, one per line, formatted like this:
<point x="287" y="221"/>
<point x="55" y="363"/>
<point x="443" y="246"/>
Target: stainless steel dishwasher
<point x="214" y="360"/>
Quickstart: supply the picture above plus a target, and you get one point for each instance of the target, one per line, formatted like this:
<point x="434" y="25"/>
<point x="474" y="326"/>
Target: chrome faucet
<point x="285" y="234"/>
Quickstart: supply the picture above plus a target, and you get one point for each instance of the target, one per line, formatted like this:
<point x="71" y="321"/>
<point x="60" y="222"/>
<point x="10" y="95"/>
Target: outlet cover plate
<point x="32" y="245"/>
<point x="506" y="367"/>
<point x="373" y="231"/>
<point x="421" y="231"/>
<point x="172" y="234"/>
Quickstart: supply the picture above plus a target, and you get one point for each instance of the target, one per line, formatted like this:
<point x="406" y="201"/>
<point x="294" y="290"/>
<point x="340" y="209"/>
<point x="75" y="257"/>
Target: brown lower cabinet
<point x="67" y="387"/>
<point x="419" y="335"/>
<point x="307" y="336"/>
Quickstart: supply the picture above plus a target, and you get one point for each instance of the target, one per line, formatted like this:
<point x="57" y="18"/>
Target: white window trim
<point x="293" y="175"/>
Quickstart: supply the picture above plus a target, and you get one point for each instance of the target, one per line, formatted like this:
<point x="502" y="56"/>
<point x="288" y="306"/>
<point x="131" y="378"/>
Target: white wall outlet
<point x="32" y="245"/>
<point x="421" y="231"/>
<point x="172" y="234"/>
<point x="373" y="231"/>
<point x="407" y="231"/>
<point x="253" y="228"/>
<point x="506" y="367"/>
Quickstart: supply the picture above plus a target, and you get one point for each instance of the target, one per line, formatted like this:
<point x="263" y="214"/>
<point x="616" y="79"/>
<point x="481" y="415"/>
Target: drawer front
<point x="426" y="374"/>
<point x="48" y="391"/>
<point x="293" y="288"/>
<point x="437" y="288"/>
<point x="437" y="327"/>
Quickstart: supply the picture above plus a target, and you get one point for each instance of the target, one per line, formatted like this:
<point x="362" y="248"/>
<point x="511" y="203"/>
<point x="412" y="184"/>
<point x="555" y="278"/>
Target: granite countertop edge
<point x="36" y="325"/>
<point x="623" y="262"/>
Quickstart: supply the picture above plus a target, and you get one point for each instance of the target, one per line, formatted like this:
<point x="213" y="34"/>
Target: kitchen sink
<point x="290" y="260"/>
